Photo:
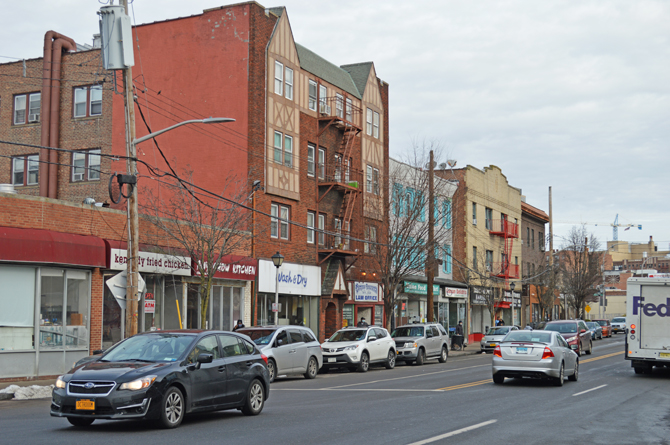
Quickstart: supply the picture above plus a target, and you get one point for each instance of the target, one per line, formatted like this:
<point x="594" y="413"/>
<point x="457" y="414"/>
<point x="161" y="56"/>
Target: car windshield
<point x="408" y="331"/>
<point x="353" y="335"/>
<point x="259" y="336"/>
<point x="618" y="320"/>
<point x="592" y="324"/>
<point x="529" y="336"/>
<point x="563" y="328"/>
<point x="150" y="348"/>
<point x="498" y="331"/>
<point x="602" y="322"/>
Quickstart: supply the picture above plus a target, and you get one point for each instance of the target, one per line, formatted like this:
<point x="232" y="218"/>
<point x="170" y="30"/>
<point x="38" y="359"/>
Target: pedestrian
<point x="457" y="340"/>
<point x="502" y="322"/>
<point x="362" y="323"/>
<point x="239" y="325"/>
<point x="497" y="321"/>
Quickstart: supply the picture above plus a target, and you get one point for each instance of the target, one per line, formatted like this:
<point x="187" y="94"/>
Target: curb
<point x="6" y="395"/>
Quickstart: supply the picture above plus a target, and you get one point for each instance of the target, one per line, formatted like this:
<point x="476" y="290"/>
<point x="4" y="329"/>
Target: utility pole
<point x="430" y="270"/>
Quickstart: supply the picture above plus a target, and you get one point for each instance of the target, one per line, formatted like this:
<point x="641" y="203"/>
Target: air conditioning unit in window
<point x="78" y="177"/>
<point x="33" y="118"/>
<point x="324" y="108"/>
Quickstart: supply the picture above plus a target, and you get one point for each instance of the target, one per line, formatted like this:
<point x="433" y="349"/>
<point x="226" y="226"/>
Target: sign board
<point x="232" y="267"/>
<point x="294" y="279"/>
<point x="587" y="308"/>
<point x="479" y="295"/>
<point x="366" y="292"/>
<point x="276" y="307"/>
<point x="117" y="285"/>
<point x="455" y="292"/>
<point x="412" y="287"/>
<point x="150" y="262"/>
<point x="149" y="303"/>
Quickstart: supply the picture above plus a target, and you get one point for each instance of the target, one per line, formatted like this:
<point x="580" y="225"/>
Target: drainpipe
<point x="54" y="44"/>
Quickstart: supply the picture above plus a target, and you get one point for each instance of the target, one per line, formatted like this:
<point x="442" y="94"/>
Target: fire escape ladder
<point x="348" y="142"/>
<point x="509" y="241"/>
<point x="348" y="204"/>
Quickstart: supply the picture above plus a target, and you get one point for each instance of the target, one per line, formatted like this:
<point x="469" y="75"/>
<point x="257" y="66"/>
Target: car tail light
<point x="548" y="353"/>
<point x="497" y="352"/>
<point x="265" y="358"/>
<point x="632" y="326"/>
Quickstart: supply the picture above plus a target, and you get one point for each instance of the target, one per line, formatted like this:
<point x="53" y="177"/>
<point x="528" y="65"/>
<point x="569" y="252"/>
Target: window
<point x="540" y="241"/>
<point x="323" y="97"/>
<point x="446" y="259"/>
<point x="349" y="110"/>
<point x="310" y="159"/>
<point x="322" y="226"/>
<point x="310" y="225"/>
<point x="31" y="101"/>
<point x="489" y="260"/>
<point x="368" y="121"/>
<point x="86" y="165"/>
<point x="209" y="345"/>
<point x="25" y="170"/>
<point x="322" y="163"/>
<point x="283" y="149"/>
<point x="288" y="83"/>
<point x="230" y="345"/>
<point x="339" y="105"/>
<point x="283" y="222"/>
<point x="375" y="181"/>
<point x="489" y="218"/>
<point x="279" y="227"/>
<point x="278" y="147"/>
<point x="288" y="151"/>
<point x="532" y="238"/>
<point x="446" y="214"/>
<point x="279" y="78"/>
<point x="528" y="269"/>
<point x="312" y="96"/>
<point x="397" y="199"/>
<point x="371" y="236"/>
<point x="474" y="213"/>
<point x="474" y="258"/>
<point x="347" y="170"/>
<point x="338" y="168"/>
<point x="88" y="101"/>
<point x="338" y="230"/>
<point x="375" y="125"/>
<point x="528" y="236"/>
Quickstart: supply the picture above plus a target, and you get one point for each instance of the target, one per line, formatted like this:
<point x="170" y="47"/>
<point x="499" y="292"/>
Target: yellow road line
<point x="465" y="385"/>
<point x="602" y="357"/>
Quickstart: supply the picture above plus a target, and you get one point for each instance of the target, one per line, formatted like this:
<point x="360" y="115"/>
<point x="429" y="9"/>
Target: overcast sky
<point x="573" y="95"/>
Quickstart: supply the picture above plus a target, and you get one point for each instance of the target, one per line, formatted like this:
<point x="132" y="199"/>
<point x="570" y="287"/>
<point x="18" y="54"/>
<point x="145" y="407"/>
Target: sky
<point x="572" y="95"/>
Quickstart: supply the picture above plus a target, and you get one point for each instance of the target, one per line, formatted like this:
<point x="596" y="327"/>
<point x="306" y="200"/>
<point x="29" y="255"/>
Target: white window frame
<point x="322" y="163"/>
<point x="28" y="163"/>
<point x="92" y="96"/>
<point x="310" y="225"/>
<point x="288" y="83"/>
<point x="274" y="221"/>
<point x="312" y="98"/>
<point x="284" y="216"/>
<point x="339" y="105"/>
<point x="288" y="151"/>
<point x="90" y="169"/>
<point x="368" y="179"/>
<point x="322" y="227"/>
<point x="279" y="78"/>
<point x="375" y="125"/>
<point x="375" y="181"/>
<point x="368" y="121"/>
<point x="311" y="151"/>
<point x="31" y="102"/>
<point x="277" y="154"/>
<point x="349" y="110"/>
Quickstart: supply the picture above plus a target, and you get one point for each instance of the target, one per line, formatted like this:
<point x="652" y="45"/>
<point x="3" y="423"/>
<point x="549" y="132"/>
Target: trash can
<point x="456" y="342"/>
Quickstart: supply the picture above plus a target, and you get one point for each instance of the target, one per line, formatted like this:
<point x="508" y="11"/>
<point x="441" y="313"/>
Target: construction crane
<point x="615" y="226"/>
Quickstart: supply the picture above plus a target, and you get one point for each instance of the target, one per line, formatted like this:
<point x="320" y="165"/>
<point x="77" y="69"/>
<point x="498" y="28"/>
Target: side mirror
<point x="98" y="351"/>
<point x="429" y="334"/>
<point x="279" y="342"/>
<point x="372" y="339"/>
<point x="205" y="358"/>
<point x="582" y="331"/>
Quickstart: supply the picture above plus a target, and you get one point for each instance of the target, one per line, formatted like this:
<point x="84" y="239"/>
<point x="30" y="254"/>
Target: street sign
<point x="588" y="308"/>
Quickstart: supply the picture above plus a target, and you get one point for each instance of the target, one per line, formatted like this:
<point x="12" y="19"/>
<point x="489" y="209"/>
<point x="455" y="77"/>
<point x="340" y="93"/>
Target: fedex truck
<point x="648" y="319"/>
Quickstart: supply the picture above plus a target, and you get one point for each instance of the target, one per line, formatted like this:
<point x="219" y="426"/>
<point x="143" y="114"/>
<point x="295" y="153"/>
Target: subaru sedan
<point x="164" y="375"/>
<point x="535" y="354"/>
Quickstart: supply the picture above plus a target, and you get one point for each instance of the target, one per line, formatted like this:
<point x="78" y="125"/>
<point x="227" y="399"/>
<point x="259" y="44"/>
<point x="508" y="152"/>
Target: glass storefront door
<point x="293" y="309"/>
<point x="226" y="307"/>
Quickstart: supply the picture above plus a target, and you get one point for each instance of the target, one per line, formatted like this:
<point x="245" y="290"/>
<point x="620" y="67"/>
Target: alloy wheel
<point x="173" y="408"/>
<point x="256" y="395"/>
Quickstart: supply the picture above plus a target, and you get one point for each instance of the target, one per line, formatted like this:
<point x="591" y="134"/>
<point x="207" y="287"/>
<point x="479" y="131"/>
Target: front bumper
<point x="488" y="346"/>
<point x="407" y="354"/>
<point x="617" y="329"/>
<point x="340" y="360"/>
<point x="117" y="405"/>
<point x="549" y="367"/>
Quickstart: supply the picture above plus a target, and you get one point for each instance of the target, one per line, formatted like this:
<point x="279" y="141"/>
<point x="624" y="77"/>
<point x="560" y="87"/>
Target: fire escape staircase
<point x="508" y="231"/>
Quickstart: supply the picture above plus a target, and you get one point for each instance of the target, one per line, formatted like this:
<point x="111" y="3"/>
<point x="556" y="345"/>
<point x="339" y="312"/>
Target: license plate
<point x="86" y="404"/>
<point x="332" y="360"/>
<point x="493" y="345"/>
<point x="664" y="354"/>
<point x="522" y="350"/>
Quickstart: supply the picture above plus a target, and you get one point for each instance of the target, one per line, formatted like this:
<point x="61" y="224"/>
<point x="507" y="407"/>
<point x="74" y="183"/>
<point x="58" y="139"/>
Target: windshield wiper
<point x="138" y="360"/>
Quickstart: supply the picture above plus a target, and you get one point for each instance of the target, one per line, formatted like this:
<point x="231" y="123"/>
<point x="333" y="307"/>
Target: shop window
<point x="86" y="165"/>
<point x="27" y="108"/>
<point x="87" y="101"/>
<point x="64" y="304"/>
<point x="25" y="170"/>
<point x="17" y="300"/>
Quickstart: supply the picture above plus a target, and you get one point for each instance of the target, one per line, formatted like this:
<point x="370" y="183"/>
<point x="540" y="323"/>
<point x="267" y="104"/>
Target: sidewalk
<point x="465" y="351"/>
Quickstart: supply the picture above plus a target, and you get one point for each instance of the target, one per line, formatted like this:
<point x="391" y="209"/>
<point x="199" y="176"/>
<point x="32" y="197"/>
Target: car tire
<point x="272" y="370"/>
<point x="558" y="381"/>
<point x="420" y="357"/>
<point x="324" y="370"/>
<point x="83" y="422"/>
<point x="575" y="375"/>
<point x="364" y="364"/>
<point x="312" y="368"/>
<point x="498" y="379"/>
<point x="590" y="348"/>
<point x="253" y="405"/>
<point x="173" y="408"/>
<point x="390" y="359"/>
<point x="444" y="355"/>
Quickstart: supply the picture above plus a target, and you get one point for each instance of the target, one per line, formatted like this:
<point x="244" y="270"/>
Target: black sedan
<point x="164" y="375"/>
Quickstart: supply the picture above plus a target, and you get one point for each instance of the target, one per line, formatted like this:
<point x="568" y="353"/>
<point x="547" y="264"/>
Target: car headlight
<point x="410" y="344"/>
<point x="351" y="348"/>
<point x="572" y="338"/>
<point x="138" y="384"/>
<point x="60" y="383"/>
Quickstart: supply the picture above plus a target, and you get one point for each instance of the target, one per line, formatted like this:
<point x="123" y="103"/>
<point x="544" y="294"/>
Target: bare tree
<point x="489" y="287"/>
<point x="205" y="228"/>
<point x="580" y="268"/>
<point x="546" y="284"/>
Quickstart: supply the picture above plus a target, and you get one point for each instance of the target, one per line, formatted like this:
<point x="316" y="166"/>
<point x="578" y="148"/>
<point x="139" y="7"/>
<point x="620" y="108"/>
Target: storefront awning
<point x="502" y="304"/>
<point x="47" y="246"/>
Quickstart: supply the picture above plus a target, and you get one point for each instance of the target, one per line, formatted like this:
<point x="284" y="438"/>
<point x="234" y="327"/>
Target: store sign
<point x="232" y="267"/>
<point x="150" y="262"/>
<point x="455" y="292"/>
<point x="366" y="291"/>
<point x="149" y="303"/>
<point x="480" y="295"/>
<point x="294" y="279"/>
<point x="412" y="287"/>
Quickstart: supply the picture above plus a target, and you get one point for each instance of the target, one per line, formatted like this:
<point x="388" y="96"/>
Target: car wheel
<point x="444" y="355"/>
<point x="272" y="370"/>
<point x="498" y="379"/>
<point x="575" y="375"/>
<point x="255" y="399"/>
<point x="390" y="360"/>
<point x="590" y="348"/>
<point x="561" y="376"/>
<point x="420" y="357"/>
<point x="172" y="408"/>
<point x="364" y="365"/>
<point x="312" y="368"/>
<point x="81" y="422"/>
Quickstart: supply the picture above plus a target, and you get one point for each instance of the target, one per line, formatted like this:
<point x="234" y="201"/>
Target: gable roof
<point x="359" y="73"/>
<point x="331" y="73"/>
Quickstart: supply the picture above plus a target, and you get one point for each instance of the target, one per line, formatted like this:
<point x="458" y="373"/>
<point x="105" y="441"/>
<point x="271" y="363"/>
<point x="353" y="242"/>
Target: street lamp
<point x="277" y="260"/>
<point x="133" y="222"/>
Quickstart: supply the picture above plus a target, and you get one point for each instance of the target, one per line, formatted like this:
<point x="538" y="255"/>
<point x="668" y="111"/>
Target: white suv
<point x="618" y="324"/>
<point x="358" y="348"/>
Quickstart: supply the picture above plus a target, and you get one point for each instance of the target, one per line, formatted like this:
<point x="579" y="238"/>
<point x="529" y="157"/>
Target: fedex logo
<point x="651" y="309"/>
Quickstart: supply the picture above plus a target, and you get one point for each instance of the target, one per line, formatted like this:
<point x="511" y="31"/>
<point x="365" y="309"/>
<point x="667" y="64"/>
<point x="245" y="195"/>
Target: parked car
<point x="415" y="343"/>
<point x="596" y="330"/>
<point x="289" y="349"/>
<point x="575" y="332"/>
<point x="357" y="348"/>
<point x="165" y="375"/>
<point x="535" y="354"/>
<point x="606" y="325"/>
<point x="618" y="324"/>
<point x="494" y="336"/>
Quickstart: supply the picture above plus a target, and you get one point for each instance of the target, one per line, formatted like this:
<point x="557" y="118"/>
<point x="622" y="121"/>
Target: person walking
<point x="457" y="339"/>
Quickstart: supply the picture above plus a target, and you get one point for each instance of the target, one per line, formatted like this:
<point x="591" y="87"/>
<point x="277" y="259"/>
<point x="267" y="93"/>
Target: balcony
<point x="330" y="244"/>
<point x="504" y="270"/>
<point x="340" y="113"/>
<point x="503" y="228"/>
<point x="342" y="177"/>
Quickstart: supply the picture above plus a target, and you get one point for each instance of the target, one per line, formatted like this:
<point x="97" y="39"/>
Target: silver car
<point x="417" y="342"/>
<point x="289" y="349"/>
<point x="494" y="336"/>
<point x="535" y="354"/>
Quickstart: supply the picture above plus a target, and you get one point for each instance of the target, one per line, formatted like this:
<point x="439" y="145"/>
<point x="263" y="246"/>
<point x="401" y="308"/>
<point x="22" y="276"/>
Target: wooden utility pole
<point x="430" y="269"/>
<point x="132" y="291"/>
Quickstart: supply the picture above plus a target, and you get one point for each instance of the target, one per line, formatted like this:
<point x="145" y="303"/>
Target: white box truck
<point x="648" y="317"/>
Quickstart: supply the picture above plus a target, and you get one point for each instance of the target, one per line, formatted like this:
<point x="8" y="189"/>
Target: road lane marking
<point x="453" y="433"/>
<point x="589" y="390"/>
<point x="358" y="389"/>
<point x="602" y="357"/>
<point x="466" y="385"/>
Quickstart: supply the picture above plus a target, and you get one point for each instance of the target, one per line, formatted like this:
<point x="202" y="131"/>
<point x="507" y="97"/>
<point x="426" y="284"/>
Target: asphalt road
<point x="455" y="402"/>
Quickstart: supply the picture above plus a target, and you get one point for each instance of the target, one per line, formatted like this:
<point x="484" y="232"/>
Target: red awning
<point x="502" y="305"/>
<point x="47" y="246"/>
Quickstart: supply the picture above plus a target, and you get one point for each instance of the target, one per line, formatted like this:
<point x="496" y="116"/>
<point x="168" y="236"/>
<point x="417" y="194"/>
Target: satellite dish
<point x="451" y="162"/>
<point x="443" y="166"/>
